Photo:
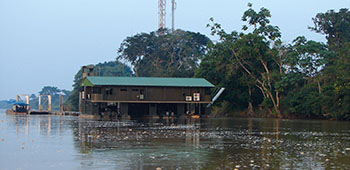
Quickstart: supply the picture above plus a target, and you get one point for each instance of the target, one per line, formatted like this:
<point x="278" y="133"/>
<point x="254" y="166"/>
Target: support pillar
<point x="180" y="109"/>
<point x="61" y="103"/>
<point x="40" y="106"/>
<point x="124" y="110"/>
<point x="27" y="99"/>
<point x="153" y="111"/>
<point x="80" y="108"/>
<point x="196" y="109"/>
<point x="49" y="103"/>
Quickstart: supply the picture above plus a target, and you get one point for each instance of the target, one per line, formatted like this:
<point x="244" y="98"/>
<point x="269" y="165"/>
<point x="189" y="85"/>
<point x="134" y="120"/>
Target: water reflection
<point x="60" y="142"/>
<point x="42" y="125"/>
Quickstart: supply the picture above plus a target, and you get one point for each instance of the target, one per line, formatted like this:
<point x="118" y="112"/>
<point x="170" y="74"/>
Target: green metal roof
<point x="146" y="81"/>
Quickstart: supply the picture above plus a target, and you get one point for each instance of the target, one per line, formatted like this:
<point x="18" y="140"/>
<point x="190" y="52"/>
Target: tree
<point x="335" y="25"/>
<point x="48" y="90"/>
<point x="111" y="68"/>
<point x="253" y="59"/>
<point x="252" y="53"/>
<point x="308" y="58"/>
<point x="165" y="54"/>
<point x="217" y="67"/>
<point x="325" y="92"/>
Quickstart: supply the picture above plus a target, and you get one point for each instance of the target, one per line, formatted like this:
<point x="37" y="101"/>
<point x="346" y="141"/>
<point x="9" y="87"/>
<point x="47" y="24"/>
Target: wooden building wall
<point x="161" y="94"/>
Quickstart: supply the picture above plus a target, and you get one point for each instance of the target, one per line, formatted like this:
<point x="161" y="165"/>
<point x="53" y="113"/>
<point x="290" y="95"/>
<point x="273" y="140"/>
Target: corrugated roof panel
<point x="86" y="82"/>
<point x="148" y="81"/>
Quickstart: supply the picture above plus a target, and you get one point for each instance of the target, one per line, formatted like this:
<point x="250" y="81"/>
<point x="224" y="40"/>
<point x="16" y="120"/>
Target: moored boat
<point x="18" y="109"/>
<point x="194" y="116"/>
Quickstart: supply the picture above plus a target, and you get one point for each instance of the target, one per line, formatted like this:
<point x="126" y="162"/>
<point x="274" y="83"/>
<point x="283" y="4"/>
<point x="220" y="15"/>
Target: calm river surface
<point x="65" y="142"/>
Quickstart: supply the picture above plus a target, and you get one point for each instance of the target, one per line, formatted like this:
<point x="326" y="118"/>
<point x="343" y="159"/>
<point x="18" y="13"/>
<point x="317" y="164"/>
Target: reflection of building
<point x="140" y="96"/>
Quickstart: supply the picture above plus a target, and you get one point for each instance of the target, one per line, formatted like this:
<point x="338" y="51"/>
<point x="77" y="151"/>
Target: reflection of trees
<point x="253" y="145"/>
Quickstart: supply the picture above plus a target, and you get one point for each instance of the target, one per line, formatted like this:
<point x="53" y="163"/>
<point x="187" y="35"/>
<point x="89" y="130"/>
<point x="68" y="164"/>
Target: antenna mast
<point x="162" y="13"/>
<point x="173" y="7"/>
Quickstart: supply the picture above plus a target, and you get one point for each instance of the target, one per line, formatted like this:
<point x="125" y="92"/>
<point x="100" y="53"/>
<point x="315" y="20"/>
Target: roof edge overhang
<point x="86" y="82"/>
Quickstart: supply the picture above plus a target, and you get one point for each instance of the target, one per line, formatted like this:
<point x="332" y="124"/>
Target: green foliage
<point x="335" y="25"/>
<point x="164" y="53"/>
<point x="261" y="22"/>
<point x="111" y="68"/>
<point x="326" y="93"/>
<point x="6" y="104"/>
<point x="304" y="79"/>
<point x="55" y="97"/>
<point x="307" y="57"/>
<point x="48" y="90"/>
<point x="245" y="62"/>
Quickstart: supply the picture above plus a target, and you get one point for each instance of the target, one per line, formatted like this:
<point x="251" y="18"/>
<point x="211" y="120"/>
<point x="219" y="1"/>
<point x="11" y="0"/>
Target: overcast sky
<point x="45" y="42"/>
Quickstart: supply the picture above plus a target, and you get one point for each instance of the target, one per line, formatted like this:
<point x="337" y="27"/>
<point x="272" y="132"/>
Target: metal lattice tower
<point x="162" y="13"/>
<point x="173" y="7"/>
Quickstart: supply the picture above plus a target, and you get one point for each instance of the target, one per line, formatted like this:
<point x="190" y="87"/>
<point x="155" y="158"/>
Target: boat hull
<point x="194" y="116"/>
<point x="11" y="112"/>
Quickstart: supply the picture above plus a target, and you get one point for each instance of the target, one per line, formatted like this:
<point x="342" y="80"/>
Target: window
<point x="96" y="90"/>
<point x="123" y="89"/>
<point x="109" y="91"/>
<point x="196" y="97"/>
<point x="135" y="90"/>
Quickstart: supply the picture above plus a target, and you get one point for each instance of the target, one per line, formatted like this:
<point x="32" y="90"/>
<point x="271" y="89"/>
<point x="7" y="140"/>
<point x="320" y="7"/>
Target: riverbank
<point x="223" y="112"/>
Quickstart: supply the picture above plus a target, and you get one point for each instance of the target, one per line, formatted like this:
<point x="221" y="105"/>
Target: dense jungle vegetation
<point x="262" y="75"/>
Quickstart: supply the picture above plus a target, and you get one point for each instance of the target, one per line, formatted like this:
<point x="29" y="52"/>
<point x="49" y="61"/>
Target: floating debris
<point x="322" y="155"/>
<point x="2" y="140"/>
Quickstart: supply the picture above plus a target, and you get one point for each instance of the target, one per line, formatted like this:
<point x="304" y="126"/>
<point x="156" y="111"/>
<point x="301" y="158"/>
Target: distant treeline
<point x="55" y="98"/>
<point x="34" y="99"/>
<point x="262" y="75"/>
<point x="5" y="104"/>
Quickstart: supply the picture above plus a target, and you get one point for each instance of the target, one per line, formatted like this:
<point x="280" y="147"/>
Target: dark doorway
<point x="138" y="110"/>
<point x="167" y="109"/>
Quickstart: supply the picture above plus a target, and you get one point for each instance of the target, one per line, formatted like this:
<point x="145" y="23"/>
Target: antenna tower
<point x="162" y="13"/>
<point x="173" y="7"/>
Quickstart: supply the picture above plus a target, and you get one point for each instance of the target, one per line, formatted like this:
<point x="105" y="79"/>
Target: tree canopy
<point x="335" y="25"/>
<point x="305" y="78"/>
<point x="164" y="53"/>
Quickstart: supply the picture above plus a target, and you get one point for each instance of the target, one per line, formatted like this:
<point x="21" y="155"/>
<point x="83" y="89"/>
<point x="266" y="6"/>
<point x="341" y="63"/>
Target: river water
<point x="67" y="142"/>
